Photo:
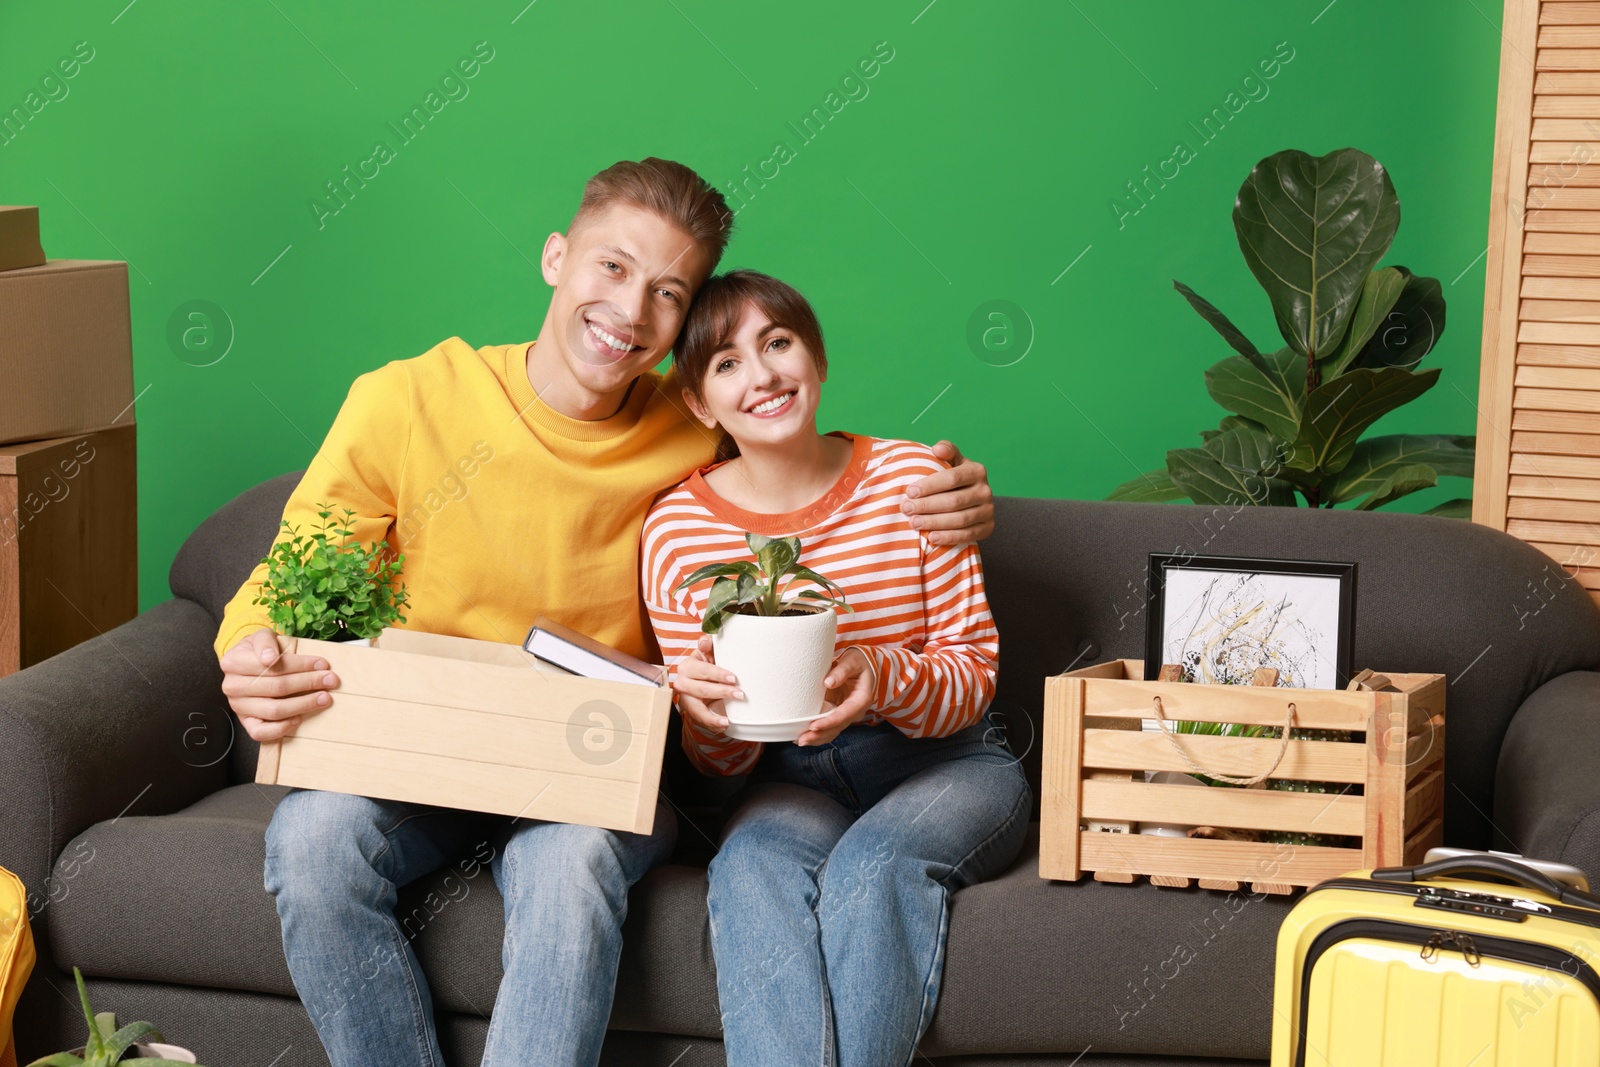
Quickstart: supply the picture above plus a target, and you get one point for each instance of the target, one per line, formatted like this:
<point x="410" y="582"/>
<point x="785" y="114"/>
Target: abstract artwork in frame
<point x="1221" y="617"/>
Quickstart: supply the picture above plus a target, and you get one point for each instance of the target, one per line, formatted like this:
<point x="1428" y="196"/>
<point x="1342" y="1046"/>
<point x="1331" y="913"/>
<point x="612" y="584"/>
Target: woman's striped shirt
<point x="920" y="611"/>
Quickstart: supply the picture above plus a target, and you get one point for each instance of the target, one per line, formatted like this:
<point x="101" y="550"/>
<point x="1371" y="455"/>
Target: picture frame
<point x="1221" y="617"/>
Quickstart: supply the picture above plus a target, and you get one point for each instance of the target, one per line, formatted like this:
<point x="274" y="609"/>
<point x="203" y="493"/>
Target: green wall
<point x="978" y="163"/>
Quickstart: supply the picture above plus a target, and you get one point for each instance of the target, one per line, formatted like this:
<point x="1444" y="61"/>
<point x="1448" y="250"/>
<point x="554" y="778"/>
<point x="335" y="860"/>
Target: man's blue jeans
<point x="334" y="864"/>
<point x="830" y="894"/>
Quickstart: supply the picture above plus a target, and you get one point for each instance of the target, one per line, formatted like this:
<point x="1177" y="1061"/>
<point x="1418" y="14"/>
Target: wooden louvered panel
<point x="1580" y="83"/>
<point x="1587" y="14"/>
<point x="1556" y="488"/>
<point x="1559" y="378"/>
<point x="1556" y="466"/>
<point x="1559" y="310"/>
<point x="1561" y="288"/>
<point x="1556" y="444"/>
<point x="1556" y="400"/>
<point x="1538" y="461"/>
<point x="1561" y="333"/>
<point x="1562" y="266"/>
<point x="1522" y="507"/>
<point x="1539" y="219"/>
<point x="1558" y="356"/>
<point x="1568" y="244"/>
<point x="1547" y="421"/>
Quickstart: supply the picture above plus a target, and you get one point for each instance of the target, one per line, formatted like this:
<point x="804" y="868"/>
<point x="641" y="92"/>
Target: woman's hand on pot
<point x="697" y="682"/>
<point x="850" y="684"/>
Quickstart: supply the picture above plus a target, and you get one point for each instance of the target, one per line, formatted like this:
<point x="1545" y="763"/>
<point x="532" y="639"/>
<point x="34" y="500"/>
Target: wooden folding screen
<point x="1538" y="457"/>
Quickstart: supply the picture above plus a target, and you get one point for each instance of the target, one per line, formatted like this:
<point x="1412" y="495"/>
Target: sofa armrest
<point x="112" y="726"/>
<point x="1547" y="783"/>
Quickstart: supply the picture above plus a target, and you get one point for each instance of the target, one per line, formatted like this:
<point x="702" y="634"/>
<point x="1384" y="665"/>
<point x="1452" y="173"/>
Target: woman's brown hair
<point x="714" y="316"/>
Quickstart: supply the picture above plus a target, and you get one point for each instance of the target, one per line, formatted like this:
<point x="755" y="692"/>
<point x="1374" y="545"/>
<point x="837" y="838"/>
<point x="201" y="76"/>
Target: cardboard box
<point x="66" y="349"/>
<point x="19" y="237"/>
<point x="477" y="725"/>
<point x="69" y="543"/>
<point x="1392" y="775"/>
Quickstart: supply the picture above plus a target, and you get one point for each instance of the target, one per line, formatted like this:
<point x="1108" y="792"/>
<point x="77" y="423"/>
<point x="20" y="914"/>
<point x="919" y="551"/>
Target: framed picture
<point x="1221" y="617"/>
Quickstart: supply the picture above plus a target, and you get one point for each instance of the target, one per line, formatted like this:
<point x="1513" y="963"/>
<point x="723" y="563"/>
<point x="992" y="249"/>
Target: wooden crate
<point x="480" y="726"/>
<point x="1393" y="774"/>
<point x="69" y="543"/>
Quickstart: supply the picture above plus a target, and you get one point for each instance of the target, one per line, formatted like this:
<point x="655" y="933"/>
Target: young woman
<point x="829" y="894"/>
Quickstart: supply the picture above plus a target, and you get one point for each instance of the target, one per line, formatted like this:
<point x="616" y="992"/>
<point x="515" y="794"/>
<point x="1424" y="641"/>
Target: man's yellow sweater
<point x="504" y="508"/>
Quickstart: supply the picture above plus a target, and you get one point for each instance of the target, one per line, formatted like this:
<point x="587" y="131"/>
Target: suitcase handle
<point x="1498" y="866"/>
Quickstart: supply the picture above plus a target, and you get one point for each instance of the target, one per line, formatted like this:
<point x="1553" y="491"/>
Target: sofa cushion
<point x="1033" y="966"/>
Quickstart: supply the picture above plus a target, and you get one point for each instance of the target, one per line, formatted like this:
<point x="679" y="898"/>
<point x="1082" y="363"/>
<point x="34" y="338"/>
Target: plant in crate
<point x="779" y="646"/>
<point x="1312" y="230"/>
<point x="109" y="1045"/>
<point x="325" y="586"/>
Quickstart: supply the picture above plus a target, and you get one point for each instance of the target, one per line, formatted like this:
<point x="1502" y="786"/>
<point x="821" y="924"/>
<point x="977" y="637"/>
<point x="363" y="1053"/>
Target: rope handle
<point x="1283" y="747"/>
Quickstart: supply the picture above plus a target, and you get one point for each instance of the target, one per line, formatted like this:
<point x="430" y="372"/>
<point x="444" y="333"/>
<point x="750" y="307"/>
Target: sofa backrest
<point x="1066" y="581"/>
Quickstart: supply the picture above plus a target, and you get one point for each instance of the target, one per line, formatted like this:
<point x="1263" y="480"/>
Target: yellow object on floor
<point x="16" y="957"/>
<point x="1434" y="965"/>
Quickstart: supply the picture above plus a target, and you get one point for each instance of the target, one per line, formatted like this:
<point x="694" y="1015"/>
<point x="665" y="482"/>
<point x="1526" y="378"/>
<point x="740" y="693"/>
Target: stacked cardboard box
<point x="68" y="528"/>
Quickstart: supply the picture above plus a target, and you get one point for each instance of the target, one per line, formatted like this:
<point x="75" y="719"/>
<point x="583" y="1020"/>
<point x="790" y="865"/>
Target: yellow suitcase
<point x="1433" y="965"/>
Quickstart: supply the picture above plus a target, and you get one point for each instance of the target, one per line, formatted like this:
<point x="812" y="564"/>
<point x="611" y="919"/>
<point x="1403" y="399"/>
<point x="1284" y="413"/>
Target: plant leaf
<point x="812" y="594"/>
<point x="118" y="1042"/>
<point x="756" y="543"/>
<point x="59" y="1059"/>
<point x="724" y="593"/>
<point x="1311" y="228"/>
<point x="811" y="575"/>
<point x="1219" y="322"/>
<point x="716" y="570"/>
<point x="1411" y="328"/>
<point x="95" y="1045"/>
<point x="1150" y="488"/>
<point x="1378" y="295"/>
<point x="1407" y="479"/>
<point x="106" y="1023"/>
<point x="776" y="557"/>
<point x="1270" y="395"/>
<point x="1236" y="467"/>
<point x="1339" y="411"/>
<point x="1375" y="459"/>
<point x="1459" y="508"/>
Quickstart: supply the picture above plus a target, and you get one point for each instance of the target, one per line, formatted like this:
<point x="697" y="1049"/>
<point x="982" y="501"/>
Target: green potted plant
<point x="134" y="1045"/>
<point x="325" y="586"/>
<point x="778" y="646"/>
<point x="1312" y="230"/>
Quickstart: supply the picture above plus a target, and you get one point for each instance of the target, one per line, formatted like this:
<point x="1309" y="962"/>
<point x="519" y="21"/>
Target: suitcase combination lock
<point x="1490" y="906"/>
<point x="1463" y="942"/>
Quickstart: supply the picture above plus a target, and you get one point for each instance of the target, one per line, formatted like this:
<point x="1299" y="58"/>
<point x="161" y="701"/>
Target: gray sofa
<point x="128" y="808"/>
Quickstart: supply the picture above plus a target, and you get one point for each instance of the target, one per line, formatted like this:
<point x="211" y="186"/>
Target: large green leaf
<point x="1230" y="333"/>
<point x="1339" y="411"/>
<point x="1270" y="395"/>
<point x="717" y="570"/>
<point x="1411" y="328"/>
<point x="1378" y="295"/>
<point x="1150" y="488"/>
<point x="1374" y="460"/>
<point x="1459" y="508"/>
<point x="1311" y="228"/>
<point x="1236" y="467"/>
<point x="1407" y="479"/>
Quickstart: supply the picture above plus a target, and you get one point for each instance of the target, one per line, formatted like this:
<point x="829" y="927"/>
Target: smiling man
<point x="515" y="480"/>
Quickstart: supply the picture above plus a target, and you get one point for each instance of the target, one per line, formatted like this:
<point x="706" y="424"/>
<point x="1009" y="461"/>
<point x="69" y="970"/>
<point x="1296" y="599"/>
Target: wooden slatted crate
<point x="1392" y="772"/>
<point x="480" y="726"/>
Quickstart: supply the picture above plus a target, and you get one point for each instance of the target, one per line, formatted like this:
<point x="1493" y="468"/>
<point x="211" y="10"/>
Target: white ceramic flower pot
<point x="780" y="662"/>
<point x="153" y="1050"/>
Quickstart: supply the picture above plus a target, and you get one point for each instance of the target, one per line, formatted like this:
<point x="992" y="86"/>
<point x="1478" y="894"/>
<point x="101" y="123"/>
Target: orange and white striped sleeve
<point x="945" y="685"/>
<point x="677" y="628"/>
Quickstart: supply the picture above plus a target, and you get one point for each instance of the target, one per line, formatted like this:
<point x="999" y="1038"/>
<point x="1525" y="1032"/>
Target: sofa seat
<point x="1033" y="966"/>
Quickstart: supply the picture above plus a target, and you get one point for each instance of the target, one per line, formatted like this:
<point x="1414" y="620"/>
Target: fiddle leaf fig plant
<point x="1312" y="230"/>
<point x="107" y="1044"/>
<point x="325" y="586"/>
<point x="759" y="588"/>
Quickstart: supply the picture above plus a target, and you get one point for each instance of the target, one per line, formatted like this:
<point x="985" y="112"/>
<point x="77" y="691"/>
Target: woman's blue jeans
<point x="830" y="893"/>
<point x="334" y="864"/>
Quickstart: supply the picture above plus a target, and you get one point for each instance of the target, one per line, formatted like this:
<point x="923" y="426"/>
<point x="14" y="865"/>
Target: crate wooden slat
<point x="480" y="726"/>
<point x="1392" y="775"/>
